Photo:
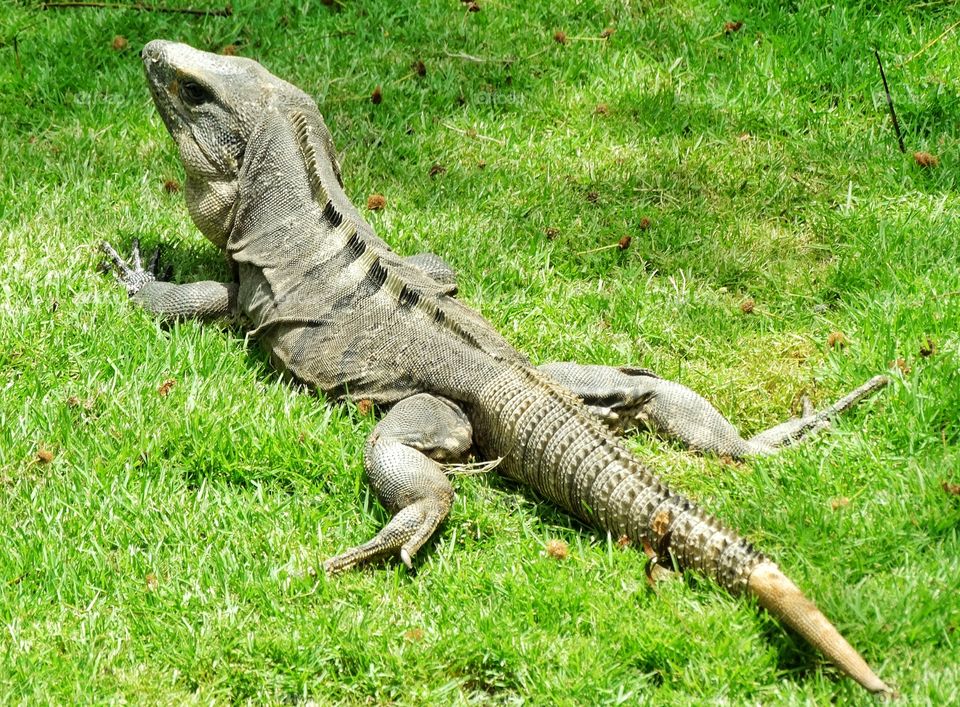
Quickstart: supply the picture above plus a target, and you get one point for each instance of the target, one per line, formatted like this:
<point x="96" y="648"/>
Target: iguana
<point x="339" y="311"/>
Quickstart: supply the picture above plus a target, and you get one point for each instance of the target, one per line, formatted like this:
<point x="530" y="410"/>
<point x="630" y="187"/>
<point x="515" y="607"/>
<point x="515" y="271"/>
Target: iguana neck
<point x="278" y="191"/>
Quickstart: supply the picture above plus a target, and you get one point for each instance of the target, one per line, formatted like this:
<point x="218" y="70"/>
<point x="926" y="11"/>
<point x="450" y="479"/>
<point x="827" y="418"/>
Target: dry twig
<point x="140" y="7"/>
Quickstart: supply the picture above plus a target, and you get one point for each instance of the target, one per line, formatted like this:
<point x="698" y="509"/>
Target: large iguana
<point x="342" y="313"/>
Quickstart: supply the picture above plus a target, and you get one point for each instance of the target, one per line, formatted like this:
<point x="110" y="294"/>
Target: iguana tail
<point x="548" y="441"/>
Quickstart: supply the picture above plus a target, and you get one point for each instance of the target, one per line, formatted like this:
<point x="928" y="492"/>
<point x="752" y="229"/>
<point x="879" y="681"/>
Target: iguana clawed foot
<point x="134" y="276"/>
<point x="811" y="421"/>
<point x="402" y="460"/>
<point x="626" y="398"/>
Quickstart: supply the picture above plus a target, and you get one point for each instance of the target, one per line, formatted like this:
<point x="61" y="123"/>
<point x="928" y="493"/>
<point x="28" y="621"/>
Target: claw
<point x="115" y="257"/>
<point x="154" y="261"/>
<point x="135" y="255"/>
<point x="133" y="277"/>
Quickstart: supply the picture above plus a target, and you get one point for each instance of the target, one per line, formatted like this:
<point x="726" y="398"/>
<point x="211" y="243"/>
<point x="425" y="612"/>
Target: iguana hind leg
<point x="403" y="463"/>
<point x="626" y="397"/>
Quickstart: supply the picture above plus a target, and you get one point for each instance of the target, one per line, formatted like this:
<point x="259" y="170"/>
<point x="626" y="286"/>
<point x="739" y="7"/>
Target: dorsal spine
<point x="345" y="229"/>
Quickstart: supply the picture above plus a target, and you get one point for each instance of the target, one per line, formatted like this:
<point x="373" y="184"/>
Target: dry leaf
<point x="925" y="159"/>
<point x="557" y="549"/>
<point x="661" y="523"/>
<point x="836" y="340"/>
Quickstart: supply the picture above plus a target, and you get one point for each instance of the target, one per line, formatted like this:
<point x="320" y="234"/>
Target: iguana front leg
<point x="402" y="461"/>
<point x="206" y="299"/>
<point x="635" y="397"/>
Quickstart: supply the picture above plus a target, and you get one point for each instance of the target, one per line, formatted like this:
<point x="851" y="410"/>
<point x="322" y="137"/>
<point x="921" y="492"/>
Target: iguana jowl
<point x="339" y="311"/>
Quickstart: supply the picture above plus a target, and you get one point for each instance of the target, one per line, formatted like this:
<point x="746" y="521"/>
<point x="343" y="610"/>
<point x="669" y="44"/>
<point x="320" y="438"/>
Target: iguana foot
<point x="406" y="533"/>
<point x="402" y="460"/>
<point x="134" y="276"/>
<point x="810" y="422"/>
<point x="626" y="398"/>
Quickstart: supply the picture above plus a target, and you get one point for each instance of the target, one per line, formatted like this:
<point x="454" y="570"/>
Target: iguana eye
<point x="193" y="93"/>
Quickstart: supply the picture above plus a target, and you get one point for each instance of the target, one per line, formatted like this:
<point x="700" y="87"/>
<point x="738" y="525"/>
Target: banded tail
<point x="549" y="442"/>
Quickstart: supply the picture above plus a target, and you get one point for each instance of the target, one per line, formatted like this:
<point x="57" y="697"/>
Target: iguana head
<point x="212" y="105"/>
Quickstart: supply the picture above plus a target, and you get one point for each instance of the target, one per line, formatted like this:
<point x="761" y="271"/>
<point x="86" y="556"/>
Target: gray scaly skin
<point x="340" y="312"/>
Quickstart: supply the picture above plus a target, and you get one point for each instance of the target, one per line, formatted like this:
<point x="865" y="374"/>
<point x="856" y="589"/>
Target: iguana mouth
<point x="157" y="71"/>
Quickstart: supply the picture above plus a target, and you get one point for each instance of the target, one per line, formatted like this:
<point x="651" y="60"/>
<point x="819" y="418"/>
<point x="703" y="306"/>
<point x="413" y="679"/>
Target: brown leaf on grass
<point x="624" y="242"/>
<point x="44" y="456"/>
<point x="952" y="489"/>
<point x="836" y="340"/>
<point x="119" y="43"/>
<point x="165" y="387"/>
<point x="557" y="549"/>
<point x="838" y="503"/>
<point x="437" y="169"/>
<point x="560" y="37"/>
<point x="377" y="96"/>
<point x="644" y="223"/>
<point x="929" y="348"/>
<point x="926" y="160"/>
<point x="747" y="305"/>
<point x="376" y="202"/>
<point x="661" y="523"/>
<point x="151" y="582"/>
<point x="230" y="50"/>
<point x="413" y="634"/>
<point x="171" y="186"/>
<point x="731" y="27"/>
<point x="900" y="364"/>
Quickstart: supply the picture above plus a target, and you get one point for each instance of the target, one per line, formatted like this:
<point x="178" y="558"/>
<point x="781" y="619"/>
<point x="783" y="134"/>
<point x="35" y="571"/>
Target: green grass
<point x="169" y="551"/>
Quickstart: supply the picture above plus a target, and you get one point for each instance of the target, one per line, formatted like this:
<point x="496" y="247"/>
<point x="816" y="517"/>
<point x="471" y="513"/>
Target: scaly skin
<point x="339" y="311"/>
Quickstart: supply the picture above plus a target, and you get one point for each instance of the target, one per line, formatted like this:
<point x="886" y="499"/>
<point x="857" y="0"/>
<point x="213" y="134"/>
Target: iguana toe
<point x="133" y="276"/>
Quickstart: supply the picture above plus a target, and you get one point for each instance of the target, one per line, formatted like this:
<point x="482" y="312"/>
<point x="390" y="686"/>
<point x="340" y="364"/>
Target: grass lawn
<point x="166" y="500"/>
